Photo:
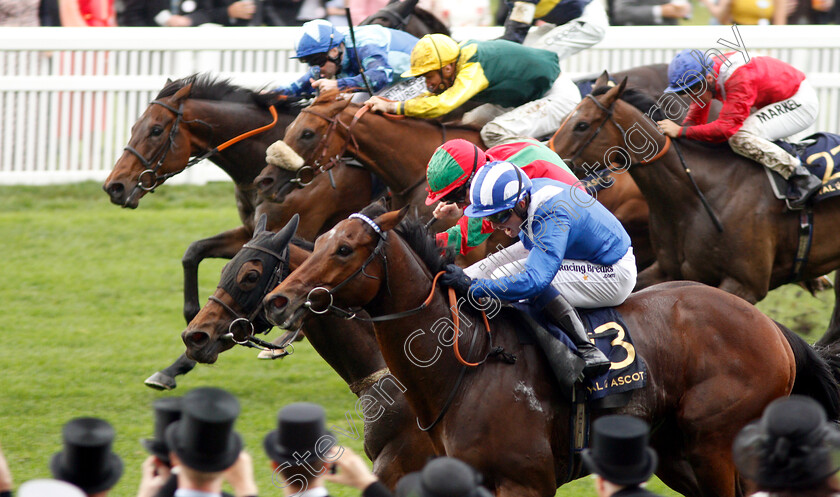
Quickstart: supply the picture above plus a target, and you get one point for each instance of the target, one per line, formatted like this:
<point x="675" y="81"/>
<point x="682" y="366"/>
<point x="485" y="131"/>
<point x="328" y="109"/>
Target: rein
<point x="151" y="170"/>
<point x="610" y="118"/>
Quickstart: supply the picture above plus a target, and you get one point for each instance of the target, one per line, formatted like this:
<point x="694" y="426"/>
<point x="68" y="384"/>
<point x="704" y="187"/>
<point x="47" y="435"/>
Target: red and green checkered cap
<point x="451" y="166"/>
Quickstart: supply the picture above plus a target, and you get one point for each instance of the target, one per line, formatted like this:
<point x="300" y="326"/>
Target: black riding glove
<point x="457" y="279"/>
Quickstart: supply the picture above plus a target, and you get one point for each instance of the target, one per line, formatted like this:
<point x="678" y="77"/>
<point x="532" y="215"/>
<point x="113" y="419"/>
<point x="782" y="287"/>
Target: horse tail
<point x="817" y="372"/>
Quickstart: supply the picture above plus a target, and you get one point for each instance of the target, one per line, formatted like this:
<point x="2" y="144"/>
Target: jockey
<point x="454" y="165"/>
<point x="580" y="24"/>
<point x="786" y="102"/>
<point x="530" y="96"/>
<point x="572" y="252"/>
<point x="328" y="50"/>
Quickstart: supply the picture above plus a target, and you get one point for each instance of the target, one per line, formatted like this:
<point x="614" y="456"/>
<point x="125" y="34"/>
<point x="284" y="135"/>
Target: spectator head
<point x="203" y="439"/>
<point x="49" y="488"/>
<point x="442" y="477"/>
<point x="300" y="444"/>
<point x="87" y="460"/>
<point x="792" y="446"/>
<point x="167" y="411"/>
<point x="619" y="451"/>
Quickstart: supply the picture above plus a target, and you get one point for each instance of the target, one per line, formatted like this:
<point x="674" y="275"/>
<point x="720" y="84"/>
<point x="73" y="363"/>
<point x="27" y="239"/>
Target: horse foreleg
<point x="165" y="378"/>
<point x="651" y="276"/>
<point x="224" y="245"/>
<point x="832" y="334"/>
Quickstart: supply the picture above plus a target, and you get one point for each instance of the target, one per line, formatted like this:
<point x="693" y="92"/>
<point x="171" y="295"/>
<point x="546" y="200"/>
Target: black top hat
<point x="300" y="435"/>
<point x="619" y="451"/>
<point x="203" y="439"/>
<point x="87" y="460"/>
<point x="442" y="477"/>
<point x="167" y="411"/>
<point x="791" y="446"/>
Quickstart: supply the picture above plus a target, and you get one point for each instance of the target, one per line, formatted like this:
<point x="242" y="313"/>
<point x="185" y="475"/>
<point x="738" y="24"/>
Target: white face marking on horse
<point x="529" y="395"/>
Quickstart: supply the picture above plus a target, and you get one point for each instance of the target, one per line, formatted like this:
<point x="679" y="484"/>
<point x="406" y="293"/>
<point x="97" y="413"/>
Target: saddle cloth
<point x="612" y="337"/>
<point x="819" y="153"/>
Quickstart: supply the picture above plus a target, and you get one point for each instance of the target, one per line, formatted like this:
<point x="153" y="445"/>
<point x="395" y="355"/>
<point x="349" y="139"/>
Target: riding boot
<point x="561" y="312"/>
<point x="803" y="185"/>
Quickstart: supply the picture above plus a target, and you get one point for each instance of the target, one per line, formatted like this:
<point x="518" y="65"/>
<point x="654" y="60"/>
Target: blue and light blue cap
<point x="687" y="69"/>
<point x="317" y="36"/>
<point x="497" y="186"/>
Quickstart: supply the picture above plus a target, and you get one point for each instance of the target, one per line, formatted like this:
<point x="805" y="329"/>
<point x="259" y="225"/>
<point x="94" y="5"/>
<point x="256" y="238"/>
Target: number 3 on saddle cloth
<point x="820" y="153"/>
<point x="628" y="371"/>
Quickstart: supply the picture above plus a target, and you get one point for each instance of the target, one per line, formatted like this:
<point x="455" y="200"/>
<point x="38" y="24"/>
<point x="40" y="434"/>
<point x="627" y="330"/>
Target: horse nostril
<point x="115" y="189"/>
<point x="279" y="302"/>
<point x="265" y="183"/>
<point x="197" y="338"/>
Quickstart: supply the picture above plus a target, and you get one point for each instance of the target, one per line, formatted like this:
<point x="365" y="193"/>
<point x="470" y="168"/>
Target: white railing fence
<point x="69" y="96"/>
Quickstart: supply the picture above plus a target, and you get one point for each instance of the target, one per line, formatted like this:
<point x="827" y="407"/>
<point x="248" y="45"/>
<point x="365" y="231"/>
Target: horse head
<point x="158" y="146"/>
<point x="233" y="313"/>
<point x="314" y="142"/>
<point x="347" y="268"/>
<point x="405" y="15"/>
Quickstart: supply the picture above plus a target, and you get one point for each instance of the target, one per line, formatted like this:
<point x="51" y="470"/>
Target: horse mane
<point x="208" y="87"/>
<point x="417" y="237"/>
<point x="304" y="244"/>
<point x="637" y="98"/>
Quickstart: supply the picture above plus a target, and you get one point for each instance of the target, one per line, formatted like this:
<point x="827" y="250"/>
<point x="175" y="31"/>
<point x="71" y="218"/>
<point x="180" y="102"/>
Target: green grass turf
<point x="91" y="305"/>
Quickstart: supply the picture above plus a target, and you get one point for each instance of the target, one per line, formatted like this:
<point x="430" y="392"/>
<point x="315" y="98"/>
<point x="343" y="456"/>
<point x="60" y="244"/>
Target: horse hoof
<point x="160" y="381"/>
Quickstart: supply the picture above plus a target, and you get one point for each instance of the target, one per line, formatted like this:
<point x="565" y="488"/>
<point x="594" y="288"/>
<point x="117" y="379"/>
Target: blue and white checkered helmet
<point x="317" y="36"/>
<point x="497" y="186"/>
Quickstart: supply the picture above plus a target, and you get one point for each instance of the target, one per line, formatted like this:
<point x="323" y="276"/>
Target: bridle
<point x="160" y="156"/>
<point x="378" y="251"/>
<point x="322" y="163"/>
<point x="608" y="111"/>
<point x="608" y="117"/>
<point x="255" y="322"/>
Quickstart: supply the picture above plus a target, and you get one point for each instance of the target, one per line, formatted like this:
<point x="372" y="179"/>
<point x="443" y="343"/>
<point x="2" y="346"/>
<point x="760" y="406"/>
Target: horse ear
<point x="168" y="81"/>
<point x="390" y="220"/>
<point x="602" y="80"/>
<point x="282" y="238"/>
<point x="261" y="224"/>
<point x="182" y="93"/>
<point x="614" y="93"/>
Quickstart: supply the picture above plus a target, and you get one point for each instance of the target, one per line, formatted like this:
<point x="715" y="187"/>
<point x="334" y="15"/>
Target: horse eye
<point x="306" y="134"/>
<point x="581" y="126"/>
<point x="252" y="277"/>
<point x="156" y="130"/>
<point x="344" y="251"/>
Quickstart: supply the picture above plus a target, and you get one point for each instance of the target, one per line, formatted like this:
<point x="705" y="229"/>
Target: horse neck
<point x="348" y="346"/>
<point x="242" y="161"/>
<point x="416" y="336"/>
<point x="399" y="150"/>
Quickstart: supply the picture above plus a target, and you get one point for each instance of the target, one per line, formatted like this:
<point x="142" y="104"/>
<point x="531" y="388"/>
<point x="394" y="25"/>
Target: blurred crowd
<point x="181" y="13"/>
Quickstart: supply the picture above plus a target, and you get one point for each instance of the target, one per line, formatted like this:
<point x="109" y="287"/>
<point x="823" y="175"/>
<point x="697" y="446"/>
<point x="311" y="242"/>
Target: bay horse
<point x="191" y="116"/>
<point x="756" y="250"/>
<point x="405" y="15"/>
<point x="714" y="362"/>
<point x="391" y="438"/>
<point x="332" y="126"/>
